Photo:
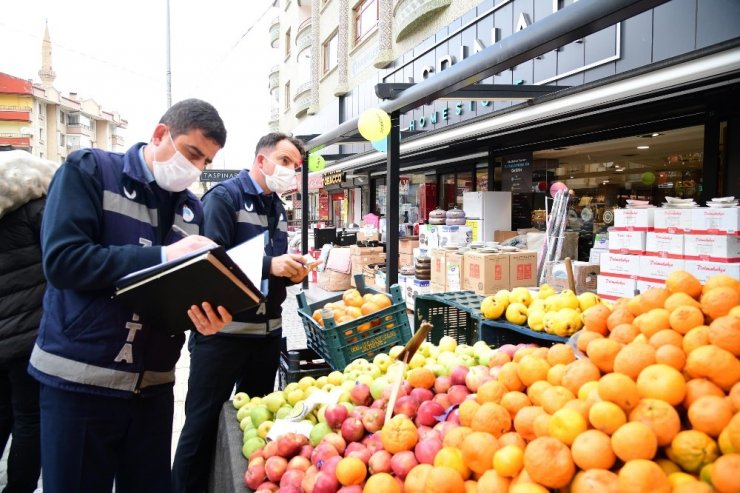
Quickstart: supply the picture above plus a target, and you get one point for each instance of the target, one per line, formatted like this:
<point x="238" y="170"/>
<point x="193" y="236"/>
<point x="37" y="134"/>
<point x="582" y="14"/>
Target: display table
<point x="229" y="465"/>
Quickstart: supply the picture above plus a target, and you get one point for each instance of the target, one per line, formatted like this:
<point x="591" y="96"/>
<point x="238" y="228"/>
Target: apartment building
<point x="37" y="117"/>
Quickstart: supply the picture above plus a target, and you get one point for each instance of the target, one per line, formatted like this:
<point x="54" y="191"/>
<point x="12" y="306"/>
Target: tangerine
<point x="351" y="470"/>
<point x="595" y="317"/>
<point x="399" y="434"/>
<point x="491" y="482"/>
<point x="634" y="440"/>
<point x="491" y="391"/>
<point x="716" y="364"/>
<point x="606" y="416"/>
<point x="508" y="461"/>
<point x="671" y="355"/>
<point x="633" y="357"/>
<point x="585" y="337"/>
<point x="624" y="333"/>
<point x="579" y="372"/>
<point x="692" y="450"/>
<point x="382" y="482"/>
<point x="452" y="457"/>
<point x="699" y="387"/>
<point x="592" y="449"/>
<point x="660" y="417"/>
<point x="684" y="318"/>
<point x="680" y="299"/>
<point x="467" y="410"/>
<point x="513" y="401"/>
<point x="619" y="316"/>
<point x="492" y="418"/>
<point x="710" y="414"/>
<point x="725" y="333"/>
<point x="548" y="462"/>
<point x="643" y="476"/>
<point x="721" y="280"/>
<point x="602" y="353"/>
<point x="524" y="421"/>
<point x="653" y="321"/>
<point x="653" y="298"/>
<point x="696" y="337"/>
<point x="421" y="378"/>
<point x="416" y="478"/>
<point x="719" y="301"/>
<point x="666" y="336"/>
<point x="725" y="472"/>
<point x="560" y="354"/>
<point x="532" y="369"/>
<point x="369" y="307"/>
<point x="680" y="281"/>
<point x="595" y="481"/>
<point x="662" y="382"/>
<point x="478" y="450"/>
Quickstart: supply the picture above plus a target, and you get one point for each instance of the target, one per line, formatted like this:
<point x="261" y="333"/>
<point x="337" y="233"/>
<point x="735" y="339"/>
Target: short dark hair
<point x="271" y="140"/>
<point x="194" y="114"/>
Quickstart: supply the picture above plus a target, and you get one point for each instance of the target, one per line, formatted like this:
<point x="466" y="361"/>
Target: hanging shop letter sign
<point x="333" y="178"/>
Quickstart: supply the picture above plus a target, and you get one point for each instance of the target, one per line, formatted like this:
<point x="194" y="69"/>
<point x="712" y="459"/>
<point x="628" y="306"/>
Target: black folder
<point x="162" y="294"/>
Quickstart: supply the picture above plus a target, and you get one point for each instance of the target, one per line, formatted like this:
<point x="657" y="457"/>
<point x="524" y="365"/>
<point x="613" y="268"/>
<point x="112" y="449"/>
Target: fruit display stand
<point x="363" y="337"/>
<point x="298" y="363"/>
<point x="496" y="333"/>
<point x="455" y="314"/>
<point x="227" y="474"/>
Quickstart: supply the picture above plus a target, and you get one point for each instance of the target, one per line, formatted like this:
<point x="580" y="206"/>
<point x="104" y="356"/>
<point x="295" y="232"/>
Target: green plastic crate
<point x="341" y="344"/>
<point x="496" y="333"/>
<point x="455" y="314"/>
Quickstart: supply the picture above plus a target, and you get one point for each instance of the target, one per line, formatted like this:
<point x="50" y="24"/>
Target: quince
<point x="520" y="295"/>
<point x="492" y="308"/>
<point x="516" y="313"/>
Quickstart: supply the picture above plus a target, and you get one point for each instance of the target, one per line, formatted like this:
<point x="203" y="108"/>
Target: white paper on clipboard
<point x="248" y="256"/>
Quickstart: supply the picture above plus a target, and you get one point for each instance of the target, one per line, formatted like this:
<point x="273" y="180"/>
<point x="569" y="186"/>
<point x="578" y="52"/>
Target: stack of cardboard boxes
<point x="364" y="256"/>
<point x="646" y="245"/>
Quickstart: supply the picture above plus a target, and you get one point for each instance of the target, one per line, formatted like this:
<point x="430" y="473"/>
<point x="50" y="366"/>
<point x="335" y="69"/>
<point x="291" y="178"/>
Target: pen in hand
<point x="177" y="229"/>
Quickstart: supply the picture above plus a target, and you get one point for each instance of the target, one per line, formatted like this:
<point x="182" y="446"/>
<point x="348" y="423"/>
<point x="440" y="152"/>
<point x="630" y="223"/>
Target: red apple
<point x="406" y="405"/>
<point x="362" y="453"/>
<point x="379" y="404"/>
<point x="292" y="478"/>
<point x="428" y="432"/>
<point x="421" y="394"/>
<point x="373" y="442"/>
<point x="275" y="467"/>
<point x="380" y="461"/>
<point x="402" y="463"/>
<point x="428" y="411"/>
<point x="355" y="488"/>
<point x="494" y="371"/>
<point x="360" y="395"/>
<point x="336" y="440"/>
<point x="509" y="349"/>
<point x="358" y="412"/>
<point x="443" y="400"/>
<point x="442" y="384"/>
<point x="457" y="394"/>
<point x="444" y="427"/>
<point x="299" y="462"/>
<point x="309" y="479"/>
<point x="330" y="465"/>
<point x="458" y="374"/>
<point x="426" y="449"/>
<point x="373" y="420"/>
<point x="306" y="451"/>
<point x="404" y="389"/>
<point x="335" y="414"/>
<point x="322" y="452"/>
<point x="255" y="474"/>
<point x="267" y="487"/>
<point x="325" y="483"/>
<point x="476" y="377"/>
<point x="290" y="444"/>
<point x="270" y="449"/>
<point x="290" y="489"/>
<point x="353" y="430"/>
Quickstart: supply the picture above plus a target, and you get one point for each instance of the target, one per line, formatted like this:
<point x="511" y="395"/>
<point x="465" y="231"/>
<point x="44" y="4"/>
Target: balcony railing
<point x="406" y="12"/>
<point x="302" y="99"/>
<point x="274" y="114"/>
<point x="79" y="129"/>
<point x="15" y="108"/>
<point x="274" y="79"/>
<point x="303" y="35"/>
<point x="275" y="32"/>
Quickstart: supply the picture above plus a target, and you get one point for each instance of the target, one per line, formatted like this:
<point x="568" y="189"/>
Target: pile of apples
<point x="547" y="311"/>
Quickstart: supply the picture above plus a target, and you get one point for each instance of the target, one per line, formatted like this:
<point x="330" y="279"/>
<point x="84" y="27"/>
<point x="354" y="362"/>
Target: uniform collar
<point x="134" y="165"/>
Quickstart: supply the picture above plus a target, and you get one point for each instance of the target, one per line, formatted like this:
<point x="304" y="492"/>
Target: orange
<point x="698" y="336"/>
<point x="421" y="378"/>
<point x="560" y="353"/>
<point x="548" y="462"/>
<point x="383" y="482"/>
<point x="452" y="457"/>
<point x="555" y="373"/>
<point x="634" y="440"/>
<point x="352" y="297"/>
<point x="512" y="438"/>
<point x="542" y="425"/>
<point x="692" y="487"/>
<point x="566" y="424"/>
<point x="382" y="300"/>
<point x="399" y="434"/>
<point x="633" y="306"/>
<point x="662" y="382"/>
<point x="581" y="407"/>
<point x="632" y="358"/>
<point x="734" y="396"/>
<point x="416" y="478"/>
<point x="619" y="316"/>
<point x="467" y="410"/>
<point x="508" y="461"/>
<point x="592" y="449"/>
<point x="619" y="389"/>
<point x="680" y="299"/>
<point x="351" y="470"/>
<point x="666" y="336"/>
<point x="369" y="307"/>
<point x="606" y="416"/>
<point x="490" y="482"/>
<point x="455" y="436"/>
<point x="555" y="397"/>
<point x="508" y="375"/>
<point x="719" y="301"/>
<point x="513" y="402"/>
<point x="471" y="486"/>
<point x="653" y="321"/>
<point x="595" y="481"/>
<point x="579" y="372"/>
<point x="594" y="318"/>
<point x="710" y="414"/>
<point x="671" y="355"/>
<point x="719" y="281"/>
<point x="660" y="417"/>
<point x="534" y="391"/>
<point x="524" y="421"/>
<point x="624" y="333"/>
<point x="680" y="281"/>
<point x="716" y="364"/>
<point x="353" y="312"/>
<point x="684" y="318"/>
<point x="492" y="418"/>
<point x="725" y="333"/>
<point x="444" y="480"/>
<point x="585" y="337"/>
<point x="478" y="449"/>
<point x="520" y="353"/>
<point x="527" y="488"/>
<point x="532" y="369"/>
<point x="491" y="391"/>
<point x="692" y="450"/>
<point x="725" y="474"/>
<point x="699" y="387"/>
<point x="653" y="298"/>
<point x="602" y="353"/>
<point x="643" y="476"/>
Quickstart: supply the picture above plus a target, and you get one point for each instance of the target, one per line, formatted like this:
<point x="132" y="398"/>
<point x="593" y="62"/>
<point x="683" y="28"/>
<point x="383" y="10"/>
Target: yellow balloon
<point x="374" y="124"/>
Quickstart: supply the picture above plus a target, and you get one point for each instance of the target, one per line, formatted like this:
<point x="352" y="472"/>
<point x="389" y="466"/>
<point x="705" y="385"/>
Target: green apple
<point x="321" y="381"/>
<point x="264" y="428"/>
<point x="284" y="411"/>
<point x="480" y="347"/>
<point x="318" y="431"/>
<point x="290" y="387"/>
<point x="395" y="351"/>
<point x="377" y="386"/>
<point x="425" y="347"/>
<point x="364" y="378"/>
<point x="294" y="396"/>
<point x="375" y="371"/>
<point x="249" y="433"/>
<point x="306" y="382"/>
<point x="260" y="414"/>
<point x="243" y="412"/>
<point x="417" y="361"/>
<point x="335" y="377"/>
<point x="465" y="349"/>
<point x="246" y="423"/>
<point x="447" y="344"/>
<point x="240" y="398"/>
<point x="485" y="356"/>
<point x="251" y="445"/>
<point x="255" y="400"/>
<point x="274" y="401"/>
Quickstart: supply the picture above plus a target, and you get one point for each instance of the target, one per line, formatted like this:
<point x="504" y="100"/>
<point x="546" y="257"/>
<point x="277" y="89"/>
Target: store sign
<point x="516" y="174"/>
<point x="218" y="174"/>
<point x="315" y="182"/>
<point x="333" y="179"/>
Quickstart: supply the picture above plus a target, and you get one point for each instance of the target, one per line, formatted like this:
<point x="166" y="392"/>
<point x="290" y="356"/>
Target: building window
<point x="61" y="117"/>
<point x="366" y="18"/>
<point x="287" y="43"/>
<point x="287" y="95"/>
<point x="330" y="52"/>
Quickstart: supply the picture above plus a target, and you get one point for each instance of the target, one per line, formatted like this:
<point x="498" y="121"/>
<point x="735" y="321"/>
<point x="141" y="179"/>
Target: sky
<point x="116" y="54"/>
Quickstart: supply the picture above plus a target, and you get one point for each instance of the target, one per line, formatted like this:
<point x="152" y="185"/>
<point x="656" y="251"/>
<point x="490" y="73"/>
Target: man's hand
<point x="288" y="265"/>
<point x="207" y="321"/>
<point x="186" y="245"/>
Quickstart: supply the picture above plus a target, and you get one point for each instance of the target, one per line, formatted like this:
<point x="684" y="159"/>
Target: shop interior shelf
<point x="498" y="332"/>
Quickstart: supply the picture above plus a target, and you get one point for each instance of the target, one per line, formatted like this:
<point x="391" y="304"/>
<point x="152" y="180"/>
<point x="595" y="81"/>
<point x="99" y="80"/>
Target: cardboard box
<point x="715" y="248"/>
<point x="584" y="276"/>
<point x="611" y="288"/>
<point x="355" y="250"/>
<point x="619" y="265"/>
<point x="522" y="269"/>
<point x="405" y="259"/>
<point x="365" y="236"/>
<point x="406" y="283"/>
<point x="594" y="256"/>
<point x="407" y="244"/>
<point x="438" y="266"/>
<point x="673" y="220"/>
<point x="656" y="269"/>
<point x="707" y="220"/>
<point x="437" y="288"/>
<point x="601" y="241"/>
<point x="670" y="245"/>
<point x="438" y="236"/>
<point x="485" y="273"/>
<point x="703" y="270"/>
<point x="643" y="286"/>
<point x="418" y="287"/>
<point x="420" y="252"/>
<point x="627" y="242"/>
<point x="502" y="235"/>
<point x="634" y="219"/>
<point x="455" y="272"/>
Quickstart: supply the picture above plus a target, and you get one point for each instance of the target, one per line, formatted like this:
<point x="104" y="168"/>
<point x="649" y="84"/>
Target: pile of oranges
<point x="352" y="306"/>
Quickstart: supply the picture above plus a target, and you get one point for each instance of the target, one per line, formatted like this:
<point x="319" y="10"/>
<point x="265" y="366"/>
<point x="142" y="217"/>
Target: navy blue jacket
<point x="235" y="212"/>
<point x="103" y="221"/>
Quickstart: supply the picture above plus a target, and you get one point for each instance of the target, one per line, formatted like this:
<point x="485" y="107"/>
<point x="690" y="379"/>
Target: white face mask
<point x="281" y="180"/>
<point x="175" y="174"/>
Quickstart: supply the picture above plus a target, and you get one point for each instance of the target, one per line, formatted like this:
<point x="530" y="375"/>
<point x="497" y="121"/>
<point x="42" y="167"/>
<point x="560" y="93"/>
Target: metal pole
<point x="169" y="64"/>
<point x="392" y="202"/>
<point x="304" y="212"/>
